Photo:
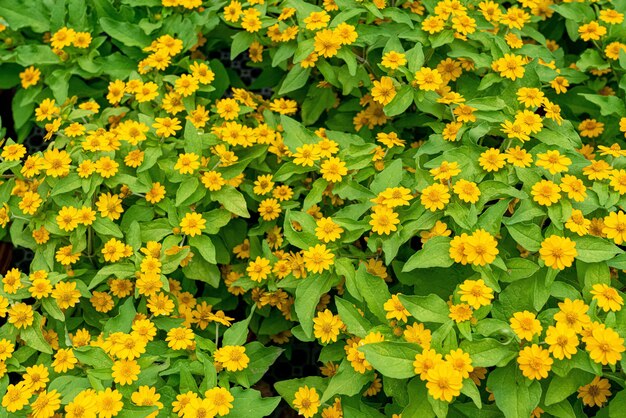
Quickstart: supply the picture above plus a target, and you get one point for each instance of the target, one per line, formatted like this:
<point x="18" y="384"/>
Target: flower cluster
<point x="429" y="194"/>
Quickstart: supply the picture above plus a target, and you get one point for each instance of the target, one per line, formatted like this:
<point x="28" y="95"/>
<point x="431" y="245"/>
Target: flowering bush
<point x="432" y="192"/>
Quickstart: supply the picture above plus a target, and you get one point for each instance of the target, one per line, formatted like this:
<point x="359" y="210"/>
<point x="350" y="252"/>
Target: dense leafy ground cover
<point x="431" y="192"/>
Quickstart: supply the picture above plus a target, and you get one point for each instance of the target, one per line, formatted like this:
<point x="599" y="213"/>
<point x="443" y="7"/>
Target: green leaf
<point x="205" y="246"/>
<point x="120" y="271"/>
<point x="18" y="16"/>
<point x="526" y="234"/>
<point x="123" y="320"/>
<point x="435" y="253"/>
<point x="609" y="105"/>
<point x="401" y="102"/>
<point x="515" y="397"/>
<point x="375" y="292"/>
<point x="249" y="403"/>
<point x="304" y="239"/>
<point x="418" y="406"/>
<point x="391" y="176"/>
<point x="617" y="406"/>
<point x="295" y="134"/>
<point x="429" y="308"/>
<point x="186" y="189"/>
<point x="308" y="294"/>
<point x="595" y="249"/>
<point x="33" y="337"/>
<point x="127" y="33"/>
<point x="261" y="358"/>
<point x="351" y="317"/>
<point x="93" y="356"/>
<point x="470" y="390"/>
<point x="346" y="381"/>
<point x="561" y="387"/>
<point x="237" y="334"/>
<point x="105" y="226"/>
<point x="232" y="200"/>
<point x="488" y="352"/>
<point x="296" y="78"/>
<point x="392" y="359"/>
<point x="36" y="54"/>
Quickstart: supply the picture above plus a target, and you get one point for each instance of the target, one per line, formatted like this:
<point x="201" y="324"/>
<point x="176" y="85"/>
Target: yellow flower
<point x="326" y="43"/>
<point x="562" y="340"/>
<point x="618" y="181"/>
<point x="193" y="224"/>
<point x="611" y="16"/>
<point x="615" y="227"/>
<point x="326" y="326"/>
<point x="64" y="360"/>
<point x="467" y="191"/>
<point x="62" y="38"/>
<point x="439" y="230"/>
<point x="333" y="170"/>
<point x="327" y="230"/>
<point x="475" y="293"/>
<point x="393" y="60"/>
<point x="426" y="361"/>
<point x="269" y="209"/>
<point x="166" y="127"/>
<point x="608" y="298"/>
<point x="444" y="382"/>
<point x="395" y="196"/>
<point x="125" y="372"/>
<point x="461" y="362"/>
<point x="604" y="345"/>
<point x="595" y="393"/>
<point x="180" y="338"/>
<point x="110" y="206"/>
<point x="535" y="362"/>
<point x="220" y="399"/>
<point x="16" y="397"/>
<point x="492" y="160"/>
<point x="460" y="313"/>
<point x="66" y="294"/>
<point x="383" y="91"/>
<point x="546" y="192"/>
<point x="591" y="31"/>
<point x="109" y="403"/>
<point x="428" y="79"/>
<point x="525" y="325"/>
<point x="590" y="128"/>
<point x="395" y="309"/>
<point x="435" y="197"/>
<point x="306" y="155"/>
<point x="573" y="314"/>
<point x="232" y="357"/>
<point x="445" y="171"/>
<point x="259" y="269"/>
<point x="577" y="223"/>
<point x="30" y="77"/>
<point x="318" y="258"/>
<point x="57" y="163"/>
<point x="228" y="109"/>
<point x="384" y="220"/>
<point x="574" y="188"/>
<point x="480" y="248"/>
<point x="553" y="161"/>
<point x="558" y="252"/>
<point x="510" y="66"/>
<point x="21" y="315"/>
<point x="306" y="401"/>
<point x="46" y="404"/>
<point x="418" y="334"/>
